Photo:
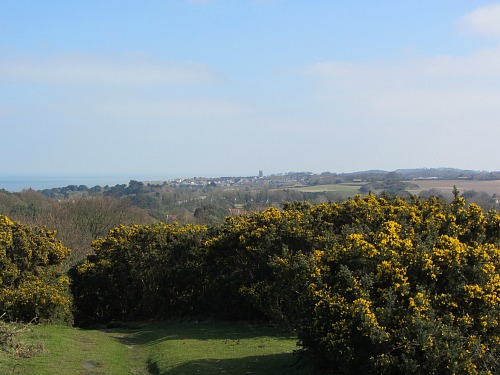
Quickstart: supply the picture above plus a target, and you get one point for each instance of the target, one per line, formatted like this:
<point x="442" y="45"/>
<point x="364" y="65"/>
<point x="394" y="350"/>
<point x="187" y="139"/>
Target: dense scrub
<point x="372" y="285"/>
<point x="409" y="287"/>
<point x="31" y="283"/>
<point x="77" y="222"/>
<point x="141" y="272"/>
<point x="383" y="284"/>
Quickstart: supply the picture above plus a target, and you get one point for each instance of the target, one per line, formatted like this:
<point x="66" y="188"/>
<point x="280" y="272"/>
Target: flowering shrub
<point x="257" y="265"/>
<point x="373" y="285"/>
<point x="140" y="272"/>
<point x="415" y="289"/>
<point x="31" y="284"/>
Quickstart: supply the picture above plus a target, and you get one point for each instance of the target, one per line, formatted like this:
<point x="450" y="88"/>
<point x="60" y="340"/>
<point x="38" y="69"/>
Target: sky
<point x="231" y="87"/>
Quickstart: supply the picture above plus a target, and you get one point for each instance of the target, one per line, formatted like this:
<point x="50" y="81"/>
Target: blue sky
<point x="228" y="87"/>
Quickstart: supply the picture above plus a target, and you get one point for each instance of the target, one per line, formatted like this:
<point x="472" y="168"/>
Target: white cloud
<point x="85" y="69"/>
<point x="137" y="87"/>
<point x="483" y="21"/>
<point x="437" y="89"/>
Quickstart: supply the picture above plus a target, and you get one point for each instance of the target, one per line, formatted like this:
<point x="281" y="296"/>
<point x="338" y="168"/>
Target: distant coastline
<point x="17" y="183"/>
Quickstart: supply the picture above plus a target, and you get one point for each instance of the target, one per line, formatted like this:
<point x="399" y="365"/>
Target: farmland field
<point x="344" y="188"/>
<point x="446" y="186"/>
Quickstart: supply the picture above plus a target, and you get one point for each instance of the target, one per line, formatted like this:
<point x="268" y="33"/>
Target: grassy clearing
<point x="228" y="348"/>
<point x="68" y="350"/>
<point x="163" y="348"/>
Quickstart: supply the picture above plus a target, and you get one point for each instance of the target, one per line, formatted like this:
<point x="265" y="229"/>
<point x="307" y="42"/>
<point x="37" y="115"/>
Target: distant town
<point x="276" y="180"/>
<point x="300" y="179"/>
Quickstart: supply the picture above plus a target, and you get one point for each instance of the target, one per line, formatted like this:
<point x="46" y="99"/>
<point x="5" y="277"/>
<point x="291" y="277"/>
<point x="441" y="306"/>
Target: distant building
<point x="261" y="173"/>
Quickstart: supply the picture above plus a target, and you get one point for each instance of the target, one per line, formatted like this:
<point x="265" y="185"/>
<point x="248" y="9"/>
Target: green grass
<point x="68" y="350"/>
<point x="343" y="188"/>
<point x="228" y="348"/>
<point x="164" y="348"/>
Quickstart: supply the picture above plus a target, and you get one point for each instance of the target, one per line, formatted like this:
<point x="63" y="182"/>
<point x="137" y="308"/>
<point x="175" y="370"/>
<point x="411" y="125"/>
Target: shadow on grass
<point x="265" y="364"/>
<point x="153" y="333"/>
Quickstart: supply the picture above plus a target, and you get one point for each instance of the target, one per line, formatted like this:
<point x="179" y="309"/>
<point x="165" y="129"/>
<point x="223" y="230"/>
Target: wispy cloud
<point x="136" y="87"/>
<point x="86" y="69"/>
<point x="415" y="109"/>
<point x="435" y="88"/>
<point x="483" y="21"/>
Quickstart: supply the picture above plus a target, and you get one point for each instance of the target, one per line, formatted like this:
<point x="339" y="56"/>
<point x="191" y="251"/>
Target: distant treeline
<point x="208" y="201"/>
<point x="194" y="204"/>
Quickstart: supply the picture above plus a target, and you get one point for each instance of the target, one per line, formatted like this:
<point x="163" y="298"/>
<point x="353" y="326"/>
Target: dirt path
<point x="138" y="356"/>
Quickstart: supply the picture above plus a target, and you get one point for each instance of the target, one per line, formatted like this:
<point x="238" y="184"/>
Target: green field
<point x="445" y="187"/>
<point x="343" y="188"/>
<point x="172" y="347"/>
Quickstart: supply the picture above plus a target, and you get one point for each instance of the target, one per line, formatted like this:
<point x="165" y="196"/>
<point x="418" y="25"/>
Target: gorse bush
<point x="31" y="284"/>
<point x="373" y="285"/>
<point x="414" y="290"/>
<point x="140" y="272"/>
<point x="257" y="264"/>
<point x="243" y="269"/>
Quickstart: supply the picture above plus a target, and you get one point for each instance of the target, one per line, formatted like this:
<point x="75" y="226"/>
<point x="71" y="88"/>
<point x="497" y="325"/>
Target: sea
<point x="17" y="183"/>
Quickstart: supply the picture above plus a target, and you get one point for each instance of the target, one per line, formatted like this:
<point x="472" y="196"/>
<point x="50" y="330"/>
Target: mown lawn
<point x="163" y="348"/>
